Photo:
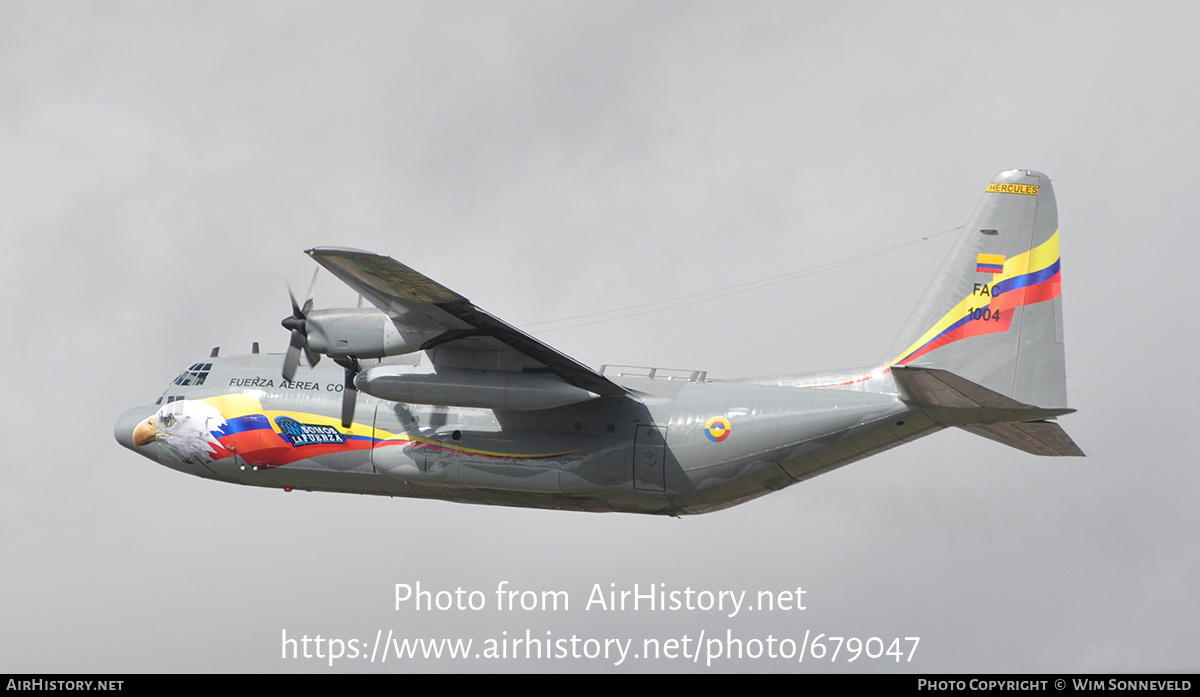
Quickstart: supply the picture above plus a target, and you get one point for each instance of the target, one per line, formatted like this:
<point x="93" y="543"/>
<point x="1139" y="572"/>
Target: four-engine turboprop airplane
<point x="458" y="405"/>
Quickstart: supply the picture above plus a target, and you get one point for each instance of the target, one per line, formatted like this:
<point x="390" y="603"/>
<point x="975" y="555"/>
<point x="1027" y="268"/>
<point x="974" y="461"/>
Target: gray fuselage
<point x="654" y="453"/>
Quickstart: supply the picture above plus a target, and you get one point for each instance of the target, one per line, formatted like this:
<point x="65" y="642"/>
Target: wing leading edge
<point x="413" y="299"/>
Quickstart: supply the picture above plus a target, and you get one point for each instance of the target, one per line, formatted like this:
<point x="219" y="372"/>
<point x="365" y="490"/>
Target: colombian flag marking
<point x="990" y="263"/>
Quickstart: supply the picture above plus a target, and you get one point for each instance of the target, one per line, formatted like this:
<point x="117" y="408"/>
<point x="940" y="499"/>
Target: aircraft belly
<point x="817" y="458"/>
<point x="585" y="466"/>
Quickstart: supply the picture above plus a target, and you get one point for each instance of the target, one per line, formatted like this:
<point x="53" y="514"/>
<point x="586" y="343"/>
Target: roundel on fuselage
<point x="717" y="429"/>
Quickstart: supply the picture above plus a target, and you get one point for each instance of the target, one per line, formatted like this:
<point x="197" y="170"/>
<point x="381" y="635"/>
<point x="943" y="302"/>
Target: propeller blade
<point x="297" y="313"/>
<point x="292" y="359"/>
<point x="312" y="289"/>
<point x="298" y="327"/>
<point x="349" y="397"/>
<point x="349" y="391"/>
<point x="290" y="362"/>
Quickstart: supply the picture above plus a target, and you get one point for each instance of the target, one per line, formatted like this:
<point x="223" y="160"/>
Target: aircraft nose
<point x="128" y="422"/>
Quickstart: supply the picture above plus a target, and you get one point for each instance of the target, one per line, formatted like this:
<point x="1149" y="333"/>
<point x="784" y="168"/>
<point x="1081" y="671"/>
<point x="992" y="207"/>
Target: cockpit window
<point x="194" y="375"/>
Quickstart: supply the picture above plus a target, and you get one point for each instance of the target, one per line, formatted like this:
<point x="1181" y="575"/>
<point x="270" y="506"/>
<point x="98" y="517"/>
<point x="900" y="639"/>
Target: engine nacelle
<point x="361" y="333"/>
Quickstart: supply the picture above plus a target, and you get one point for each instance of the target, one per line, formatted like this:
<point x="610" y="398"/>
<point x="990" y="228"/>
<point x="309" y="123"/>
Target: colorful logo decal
<point x="717" y="429"/>
<point x="990" y="263"/>
<point x="274" y="439"/>
<point x="306" y="434"/>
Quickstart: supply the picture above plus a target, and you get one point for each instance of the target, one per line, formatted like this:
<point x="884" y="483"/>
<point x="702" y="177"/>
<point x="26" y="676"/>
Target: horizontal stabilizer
<point x="1037" y="437"/>
<point x="953" y="400"/>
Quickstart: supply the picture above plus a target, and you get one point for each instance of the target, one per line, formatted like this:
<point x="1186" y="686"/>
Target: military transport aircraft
<point x="429" y="396"/>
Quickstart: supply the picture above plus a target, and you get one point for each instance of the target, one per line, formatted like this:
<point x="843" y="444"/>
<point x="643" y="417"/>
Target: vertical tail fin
<point x="993" y="314"/>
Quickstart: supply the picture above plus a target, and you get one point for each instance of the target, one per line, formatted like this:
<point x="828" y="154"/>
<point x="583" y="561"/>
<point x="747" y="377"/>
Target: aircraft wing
<point x="411" y="298"/>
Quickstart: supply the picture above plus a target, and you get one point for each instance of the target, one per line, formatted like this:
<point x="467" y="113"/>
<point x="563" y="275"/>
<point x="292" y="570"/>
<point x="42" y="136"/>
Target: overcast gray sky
<point x="162" y="165"/>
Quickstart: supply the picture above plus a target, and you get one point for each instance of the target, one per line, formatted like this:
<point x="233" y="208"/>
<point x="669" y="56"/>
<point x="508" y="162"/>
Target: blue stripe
<point x="1029" y="279"/>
